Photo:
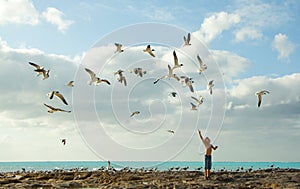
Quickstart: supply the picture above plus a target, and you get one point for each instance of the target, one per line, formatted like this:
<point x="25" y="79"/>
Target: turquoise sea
<point x="94" y="165"/>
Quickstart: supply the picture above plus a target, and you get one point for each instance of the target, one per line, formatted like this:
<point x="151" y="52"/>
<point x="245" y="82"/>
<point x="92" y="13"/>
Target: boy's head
<point x="207" y="140"/>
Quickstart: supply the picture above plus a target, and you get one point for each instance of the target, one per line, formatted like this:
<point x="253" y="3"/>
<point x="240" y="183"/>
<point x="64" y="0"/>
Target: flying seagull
<point x="187" y="82"/>
<point x="173" y="94"/>
<point x="170" y="75"/>
<point x="202" y="65"/>
<point x="119" y="47"/>
<point x="95" y="79"/>
<point x="70" y="84"/>
<point x="121" y="78"/>
<point x="171" y="131"/>
<point x="52" y="109"/>
<point x="187" y="39"/>
<point x="40" y="70"/>
<point x="64" y="141"/>
<point x="58" y="95"/>
<point x="210" y="86"/>
<point x="199" y="101"/>
<point x="194" y="107"/>
<point x="176" y="64"/>
<point x="134" y="113"/>
<point x="138" y="71"/>
<point x="259" y="95"/>
<point x="149" y="50"/>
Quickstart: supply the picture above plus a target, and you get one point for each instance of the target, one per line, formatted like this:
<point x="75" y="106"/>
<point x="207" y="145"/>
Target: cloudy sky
<point x="247" y="47"/>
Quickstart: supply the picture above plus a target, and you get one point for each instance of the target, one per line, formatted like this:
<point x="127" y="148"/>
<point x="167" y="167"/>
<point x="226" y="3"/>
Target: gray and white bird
<point x="210" y="86"/>
<point x="176" y="64"/>
<point x="121" y="78"/>
<point x="58" y="95"/>
<point x="170" y="131"/>
<point x="202" y="65"/>
<point x="194" y="107"/>
<point x="134" y="113"/>
<point x="95" y="79"/>
<point x="138" y="71"/>
<point x="149" y="50"/>
<point x="199" y="101"/>
<point x="40" y="70"/>
<point x="259" y="95"/>
<point x="119" y="48"/>
<point x="186" y="81"/>
<point x="187" y="39"/>
<point x="52" y="109"/>
<point x="70" y="84"/>
<point x="170" y="75"/>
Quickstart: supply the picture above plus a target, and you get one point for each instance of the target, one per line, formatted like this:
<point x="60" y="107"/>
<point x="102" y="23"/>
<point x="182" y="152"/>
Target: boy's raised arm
<point x="199" y="132"/>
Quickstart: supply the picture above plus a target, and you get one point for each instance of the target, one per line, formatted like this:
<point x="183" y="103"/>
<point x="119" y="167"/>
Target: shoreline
<point x="142" y="178"/>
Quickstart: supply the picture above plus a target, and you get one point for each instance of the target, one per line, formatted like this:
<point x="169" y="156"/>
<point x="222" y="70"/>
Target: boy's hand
<point x="199" y="131"/>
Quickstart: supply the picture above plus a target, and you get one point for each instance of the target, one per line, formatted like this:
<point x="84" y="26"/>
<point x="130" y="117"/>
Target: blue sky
<point x="255" y="45"/>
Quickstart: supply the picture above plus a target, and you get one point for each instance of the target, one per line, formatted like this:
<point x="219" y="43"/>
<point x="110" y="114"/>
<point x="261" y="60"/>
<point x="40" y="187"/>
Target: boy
<point x="208" y="152"/>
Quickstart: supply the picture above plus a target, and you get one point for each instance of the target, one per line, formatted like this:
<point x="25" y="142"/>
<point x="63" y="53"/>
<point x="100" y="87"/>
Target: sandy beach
<point x="129" y="178"/>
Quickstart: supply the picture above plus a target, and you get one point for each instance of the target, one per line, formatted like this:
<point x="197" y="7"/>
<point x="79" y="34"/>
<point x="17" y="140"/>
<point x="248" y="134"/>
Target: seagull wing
<point x="92" y="74"/>
<point x="61" y="110"/>
<point x="195" y="99"/>
<point x="188" y="38"/>
<point x="259" y="100"/>
<point x="105" y="81"/>
<point x="35" y="65"/>
<point x="200" y="61"/>
<point x="71" y="84"/>
<point x="191" y="87"/>
<point x="50" y="107"/>
<point x="175" y="59"/>
<point x="61" y="97"/>
<point x="151" y="53"/>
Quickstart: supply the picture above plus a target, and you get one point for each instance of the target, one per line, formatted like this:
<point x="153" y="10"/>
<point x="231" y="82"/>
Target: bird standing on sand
<point x="149" y="50"/>
<point x="119" y="48"/>
<point x="121" y="78"/>
<point x="170" y="75"/>
<point x="187" y="39"/>
<point x="202" y="65"/>
<point x="210" y="86"/>
<point x="259" y="95"/>
<point x="134" y="113"/>
<point x="58" y="95"/>
<point x="52" y="109"/>
<point x="95" y="79"/>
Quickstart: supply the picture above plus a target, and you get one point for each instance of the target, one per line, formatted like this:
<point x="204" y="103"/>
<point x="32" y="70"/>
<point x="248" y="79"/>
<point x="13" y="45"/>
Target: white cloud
<point x="247" y="33"/>
<point x="283" y="46"/>
<point x="18" y="11"/>
<point x="54" y="16"/>
<point x="215" y="25"/>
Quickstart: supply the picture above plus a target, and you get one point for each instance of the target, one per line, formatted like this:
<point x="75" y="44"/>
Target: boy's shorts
<point x="207" y="164"/>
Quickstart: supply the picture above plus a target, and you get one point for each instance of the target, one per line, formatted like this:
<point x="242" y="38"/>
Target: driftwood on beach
<point x="267" y="178"/>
